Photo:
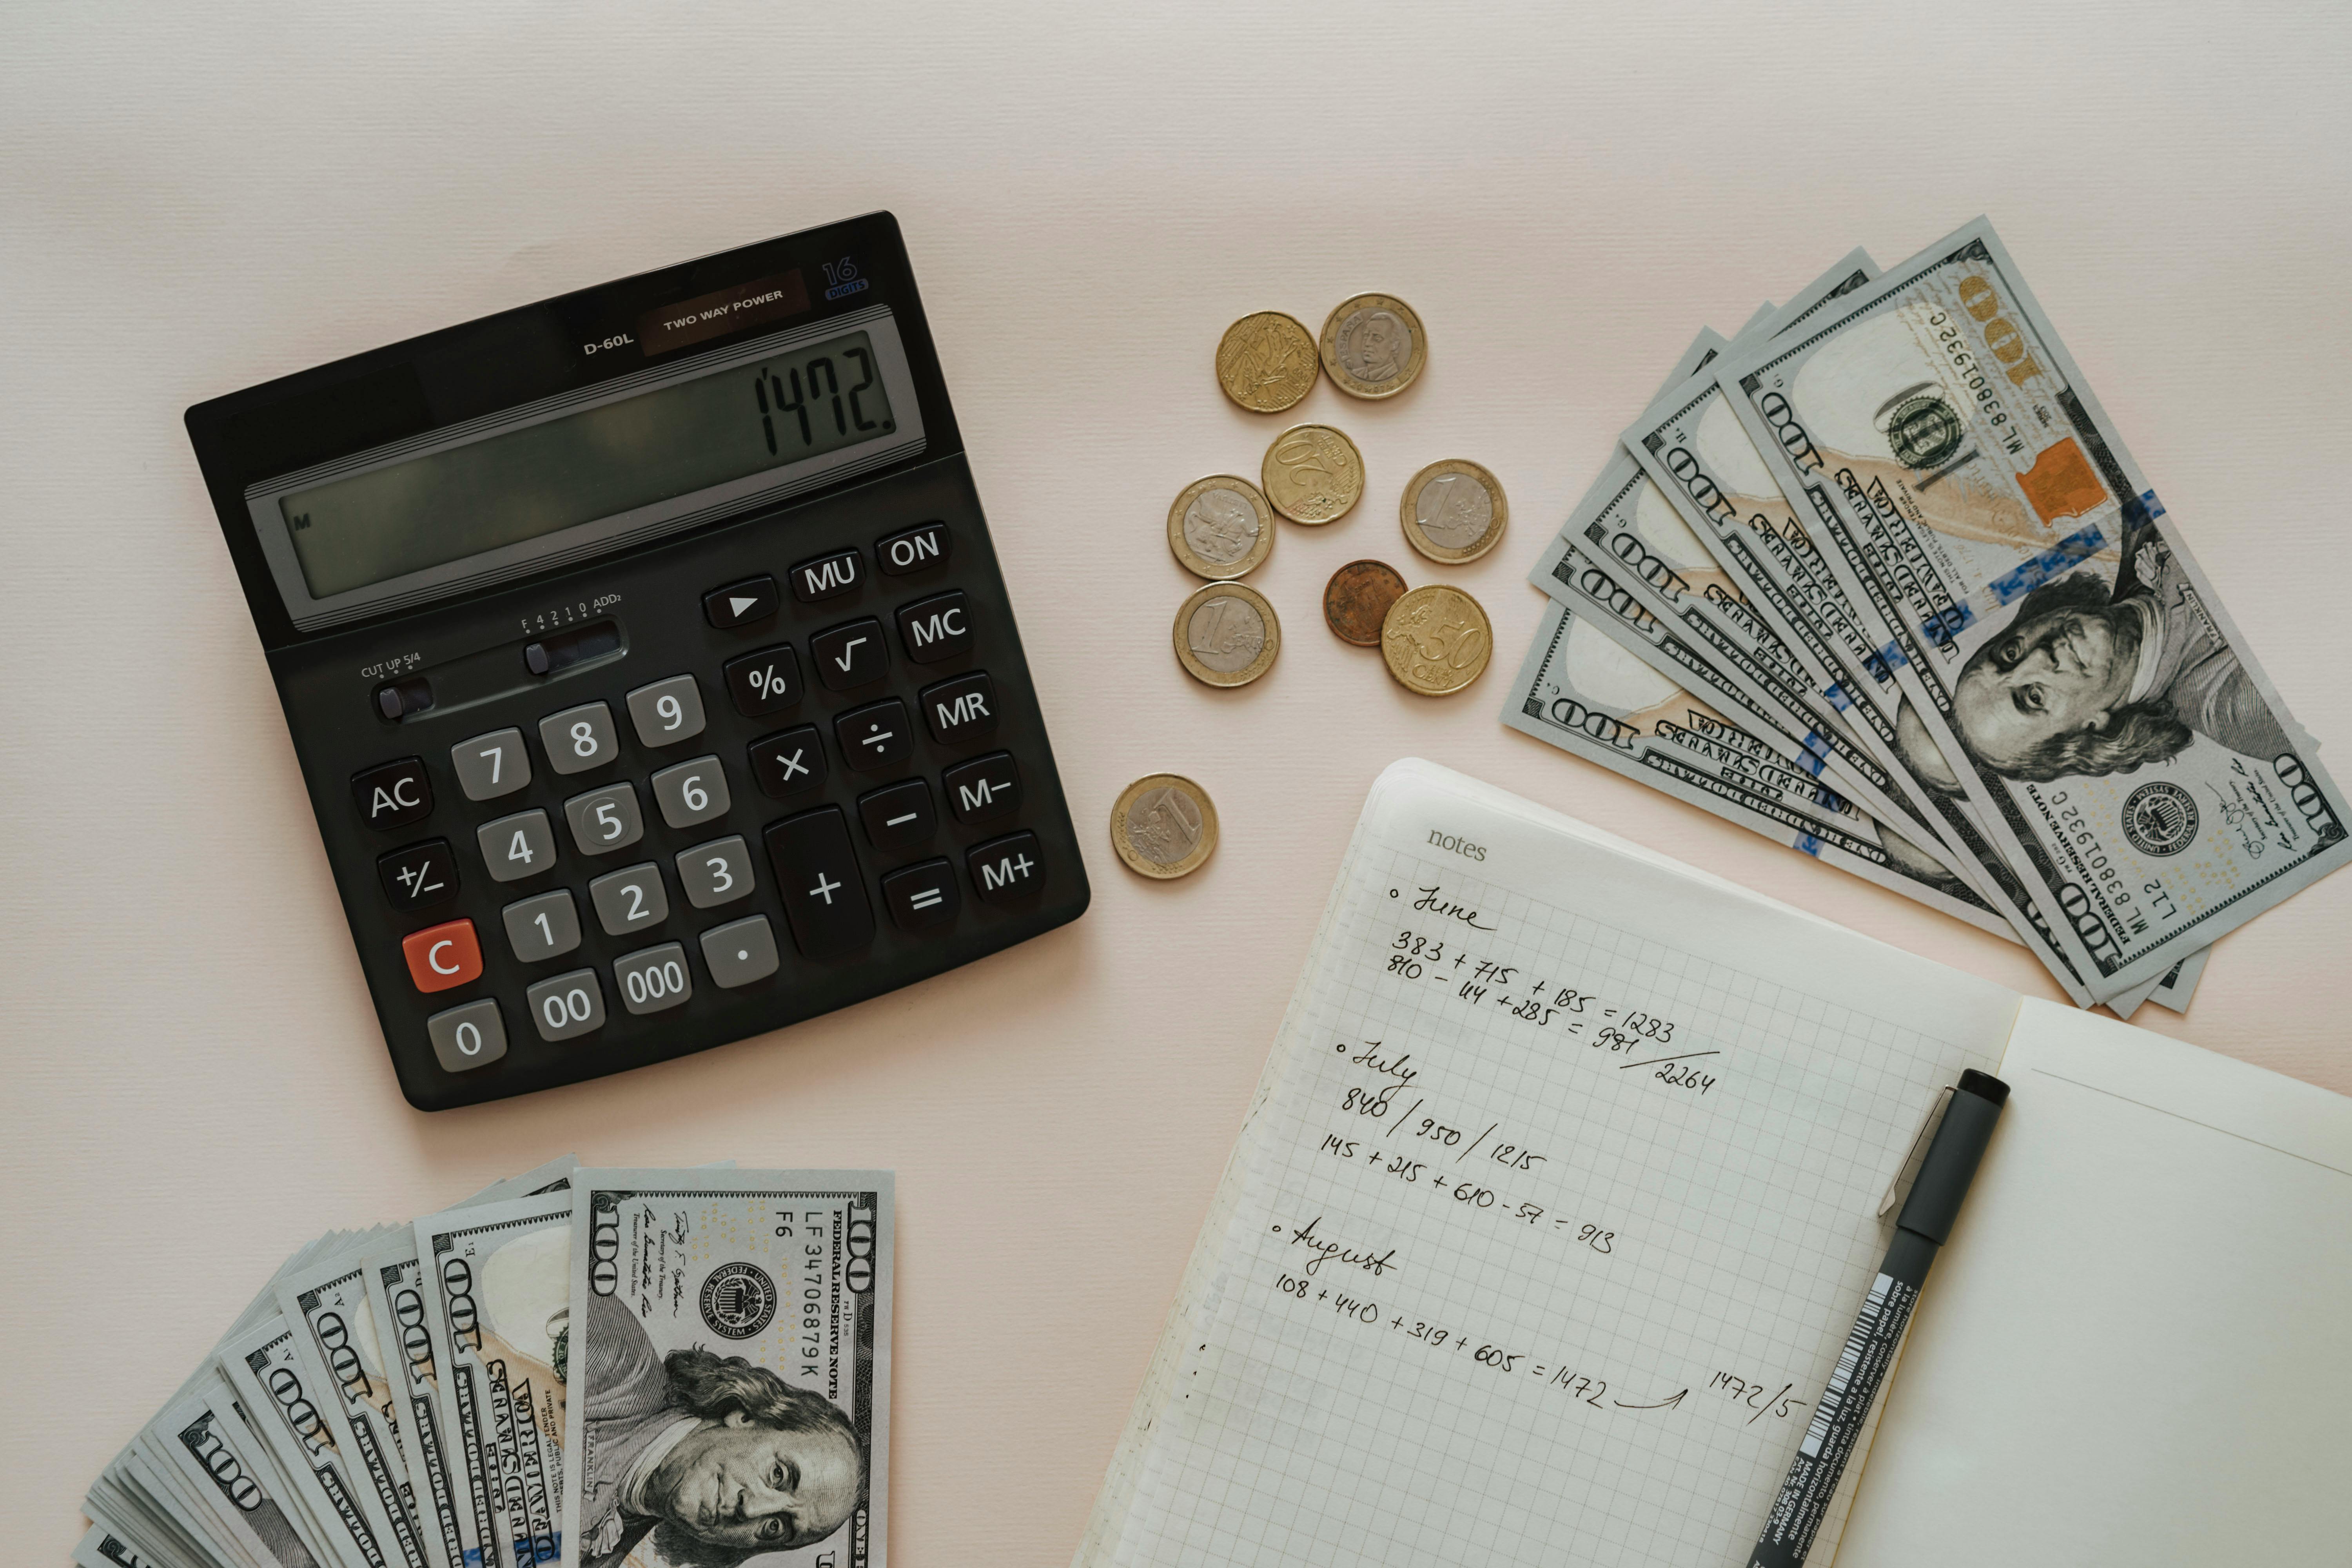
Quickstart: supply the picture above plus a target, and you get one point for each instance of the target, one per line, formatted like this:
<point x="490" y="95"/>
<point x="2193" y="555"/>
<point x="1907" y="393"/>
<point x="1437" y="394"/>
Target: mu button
<point x="442" y="956"/>
<point x="1007" y="868"/>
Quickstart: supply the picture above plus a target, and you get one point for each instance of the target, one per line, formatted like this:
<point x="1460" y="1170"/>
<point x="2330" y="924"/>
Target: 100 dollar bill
<point x="2065" y="666"/>
<point x="729" y="1358"/>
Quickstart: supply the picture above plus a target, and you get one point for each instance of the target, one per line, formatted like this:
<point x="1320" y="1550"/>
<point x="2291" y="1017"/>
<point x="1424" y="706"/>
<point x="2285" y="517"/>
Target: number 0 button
<point x="654" y="979"/>
<point x="605" y="819"/>
<point x="468" y="1037"/>
<point x="578" y="738"/>
<point x="567" y="1005"/>
<point x="692" y="792"/>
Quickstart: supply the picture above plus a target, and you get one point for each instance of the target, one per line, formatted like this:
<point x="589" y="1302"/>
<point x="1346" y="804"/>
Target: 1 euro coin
<point x="1373" y="346"/>
<point x="1220" y="528"/>
<point x="1226" y="634"/>
<point x="1266" y="362"/>
<point x="1454" y="511"/>
<point x="1164" y="825"/>
<point x="1436" y="640"/>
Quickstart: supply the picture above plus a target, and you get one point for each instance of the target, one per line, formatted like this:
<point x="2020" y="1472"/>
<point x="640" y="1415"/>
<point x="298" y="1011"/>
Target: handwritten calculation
<point x="1646" y="1039"/>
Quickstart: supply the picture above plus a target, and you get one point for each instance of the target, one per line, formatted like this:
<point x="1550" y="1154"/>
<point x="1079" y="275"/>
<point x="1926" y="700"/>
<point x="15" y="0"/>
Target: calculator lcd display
<point x="521" y="484"/>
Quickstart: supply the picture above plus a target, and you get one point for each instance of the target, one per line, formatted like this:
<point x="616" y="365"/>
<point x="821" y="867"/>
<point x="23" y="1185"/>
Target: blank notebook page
<point x="1553" y="1213"/>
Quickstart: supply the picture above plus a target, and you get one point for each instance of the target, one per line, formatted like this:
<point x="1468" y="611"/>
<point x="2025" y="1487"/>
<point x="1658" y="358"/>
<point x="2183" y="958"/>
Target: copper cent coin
<point x="1164" y="825"/>
<point x="1357" y="599"/>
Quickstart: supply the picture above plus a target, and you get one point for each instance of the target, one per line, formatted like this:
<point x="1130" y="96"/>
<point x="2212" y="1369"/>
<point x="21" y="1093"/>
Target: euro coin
<point x="1373" y="346"/>
<point x="1356" y="601"/>
<point x="1312" y="474"/>
<point x="1164" y="825"/>
<point x="1436" y="640"/>
<point x="1266" y="362"/>
<point x="1454" y="511"/>
<point x="1226" y="634"/>
<point x="1220" y="528"/>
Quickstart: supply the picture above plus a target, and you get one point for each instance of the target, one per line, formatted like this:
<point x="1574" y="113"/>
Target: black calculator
<point x="648" y="662"/>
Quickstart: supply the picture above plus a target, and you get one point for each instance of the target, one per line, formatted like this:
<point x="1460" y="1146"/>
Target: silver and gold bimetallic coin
<point x="1266" y="362"/>
<point x="1220" y="528"/>
<point x="1164" y="825"/>
<point x="1373" y="346"/>
<point x="1312" y="474"/>
<point x="1454" y="511"/>
<point x="1436" y="640"/>
<point x="1226" y="634"/>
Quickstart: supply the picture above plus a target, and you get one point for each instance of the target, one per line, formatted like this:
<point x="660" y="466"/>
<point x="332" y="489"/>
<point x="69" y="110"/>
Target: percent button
<point x="768" y="681"/>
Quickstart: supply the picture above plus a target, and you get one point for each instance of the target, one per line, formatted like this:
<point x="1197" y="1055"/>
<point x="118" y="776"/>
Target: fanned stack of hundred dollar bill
<point x="594" y="1367"/>
<point x="1877" y="579"/>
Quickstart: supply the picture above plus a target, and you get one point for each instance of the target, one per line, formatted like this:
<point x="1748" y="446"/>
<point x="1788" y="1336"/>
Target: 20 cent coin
<point x="1266" y="362"/>
<point x="1373" y="346"/>
<point x="1164" y="825"/>
<point x="1219" y="527"/>
<point x="1312" y="474"/>
<point x="1436" y="640"/>
<point x="1454" y="511"/>
<point x="1226" y="634"/>
<point x="1356" y="601"/>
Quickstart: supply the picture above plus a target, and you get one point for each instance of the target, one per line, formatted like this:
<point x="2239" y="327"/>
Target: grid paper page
<point x="1554" y="1213"/>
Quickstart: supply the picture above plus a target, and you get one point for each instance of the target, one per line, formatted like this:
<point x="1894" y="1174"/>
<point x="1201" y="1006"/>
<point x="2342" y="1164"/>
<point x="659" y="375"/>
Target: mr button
<point x="960" y="710"/>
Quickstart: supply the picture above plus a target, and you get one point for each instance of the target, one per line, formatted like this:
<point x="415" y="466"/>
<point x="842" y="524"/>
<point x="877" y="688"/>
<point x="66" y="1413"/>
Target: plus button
<point x="824" y="888"/>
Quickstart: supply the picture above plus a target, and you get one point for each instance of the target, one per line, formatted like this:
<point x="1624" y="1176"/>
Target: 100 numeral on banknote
<point x="2064" y="662"/>
<point x="728" y="1368"/>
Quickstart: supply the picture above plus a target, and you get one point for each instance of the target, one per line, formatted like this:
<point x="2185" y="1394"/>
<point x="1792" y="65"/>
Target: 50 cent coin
<point x="1436" y="640"/>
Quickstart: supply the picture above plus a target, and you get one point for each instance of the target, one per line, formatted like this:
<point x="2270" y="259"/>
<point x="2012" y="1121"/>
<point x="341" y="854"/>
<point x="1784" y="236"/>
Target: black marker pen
<point x="1926" y="1220"/>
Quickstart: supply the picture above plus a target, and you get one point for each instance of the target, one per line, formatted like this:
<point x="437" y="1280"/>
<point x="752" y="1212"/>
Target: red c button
<point x="443" y="955"/>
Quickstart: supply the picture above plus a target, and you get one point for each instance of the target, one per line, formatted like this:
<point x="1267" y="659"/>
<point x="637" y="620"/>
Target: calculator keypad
<point x="866" y="864"/>
<point x="517" y="846"/>
<point x="605" y="820"/>
<point x="491" y="766"/>
<point x="579" y="738"/>
<point x="543" y="926"/>
<point x="629" y="900"/>
<point x="666" y="712"/>
<point x="692" y="792"/>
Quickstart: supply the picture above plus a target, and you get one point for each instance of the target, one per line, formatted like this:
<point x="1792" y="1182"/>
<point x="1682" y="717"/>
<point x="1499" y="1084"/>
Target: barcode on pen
<point x="1866" y="1323"/>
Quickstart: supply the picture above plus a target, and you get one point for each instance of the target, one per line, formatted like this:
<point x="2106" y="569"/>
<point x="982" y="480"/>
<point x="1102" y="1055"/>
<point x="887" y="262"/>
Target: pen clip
<point x="1918" y="1140"/>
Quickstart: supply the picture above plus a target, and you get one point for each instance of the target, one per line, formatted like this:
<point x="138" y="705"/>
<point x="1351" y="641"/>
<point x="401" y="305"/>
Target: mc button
<point x="393" y="794"/>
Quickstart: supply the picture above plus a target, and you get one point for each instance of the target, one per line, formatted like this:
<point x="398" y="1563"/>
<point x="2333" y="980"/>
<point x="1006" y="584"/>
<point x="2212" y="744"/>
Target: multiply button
<point x="935" y="629"/>
<point x="816" y="871"/>
<point x="393" y="795"/>
<point x="876" y="736"/>
<point x="442" y="956"/>
<point x="984" y="788"/>
<point x="916" y="548"/>
<point x="826" y="577"/>
<point x="851" y="655"/>
<point x="740" y="603"/>
<point x="960" y="710"/>
<point x="789" y="763"/>
<point x="419" y="876"/>
<point x="1006" y="868"/>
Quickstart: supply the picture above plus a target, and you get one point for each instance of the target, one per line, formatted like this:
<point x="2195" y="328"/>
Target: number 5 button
<point x="605" y="819"/>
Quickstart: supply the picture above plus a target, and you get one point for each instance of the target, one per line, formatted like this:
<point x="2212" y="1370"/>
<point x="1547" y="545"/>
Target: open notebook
<point x="1559" y="1192"/>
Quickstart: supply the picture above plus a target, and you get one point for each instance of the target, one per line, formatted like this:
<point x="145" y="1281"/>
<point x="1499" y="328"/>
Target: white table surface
<point x="193" y="199"/>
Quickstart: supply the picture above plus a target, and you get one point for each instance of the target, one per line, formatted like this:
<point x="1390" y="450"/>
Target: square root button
<point x="1006" y="869"/>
